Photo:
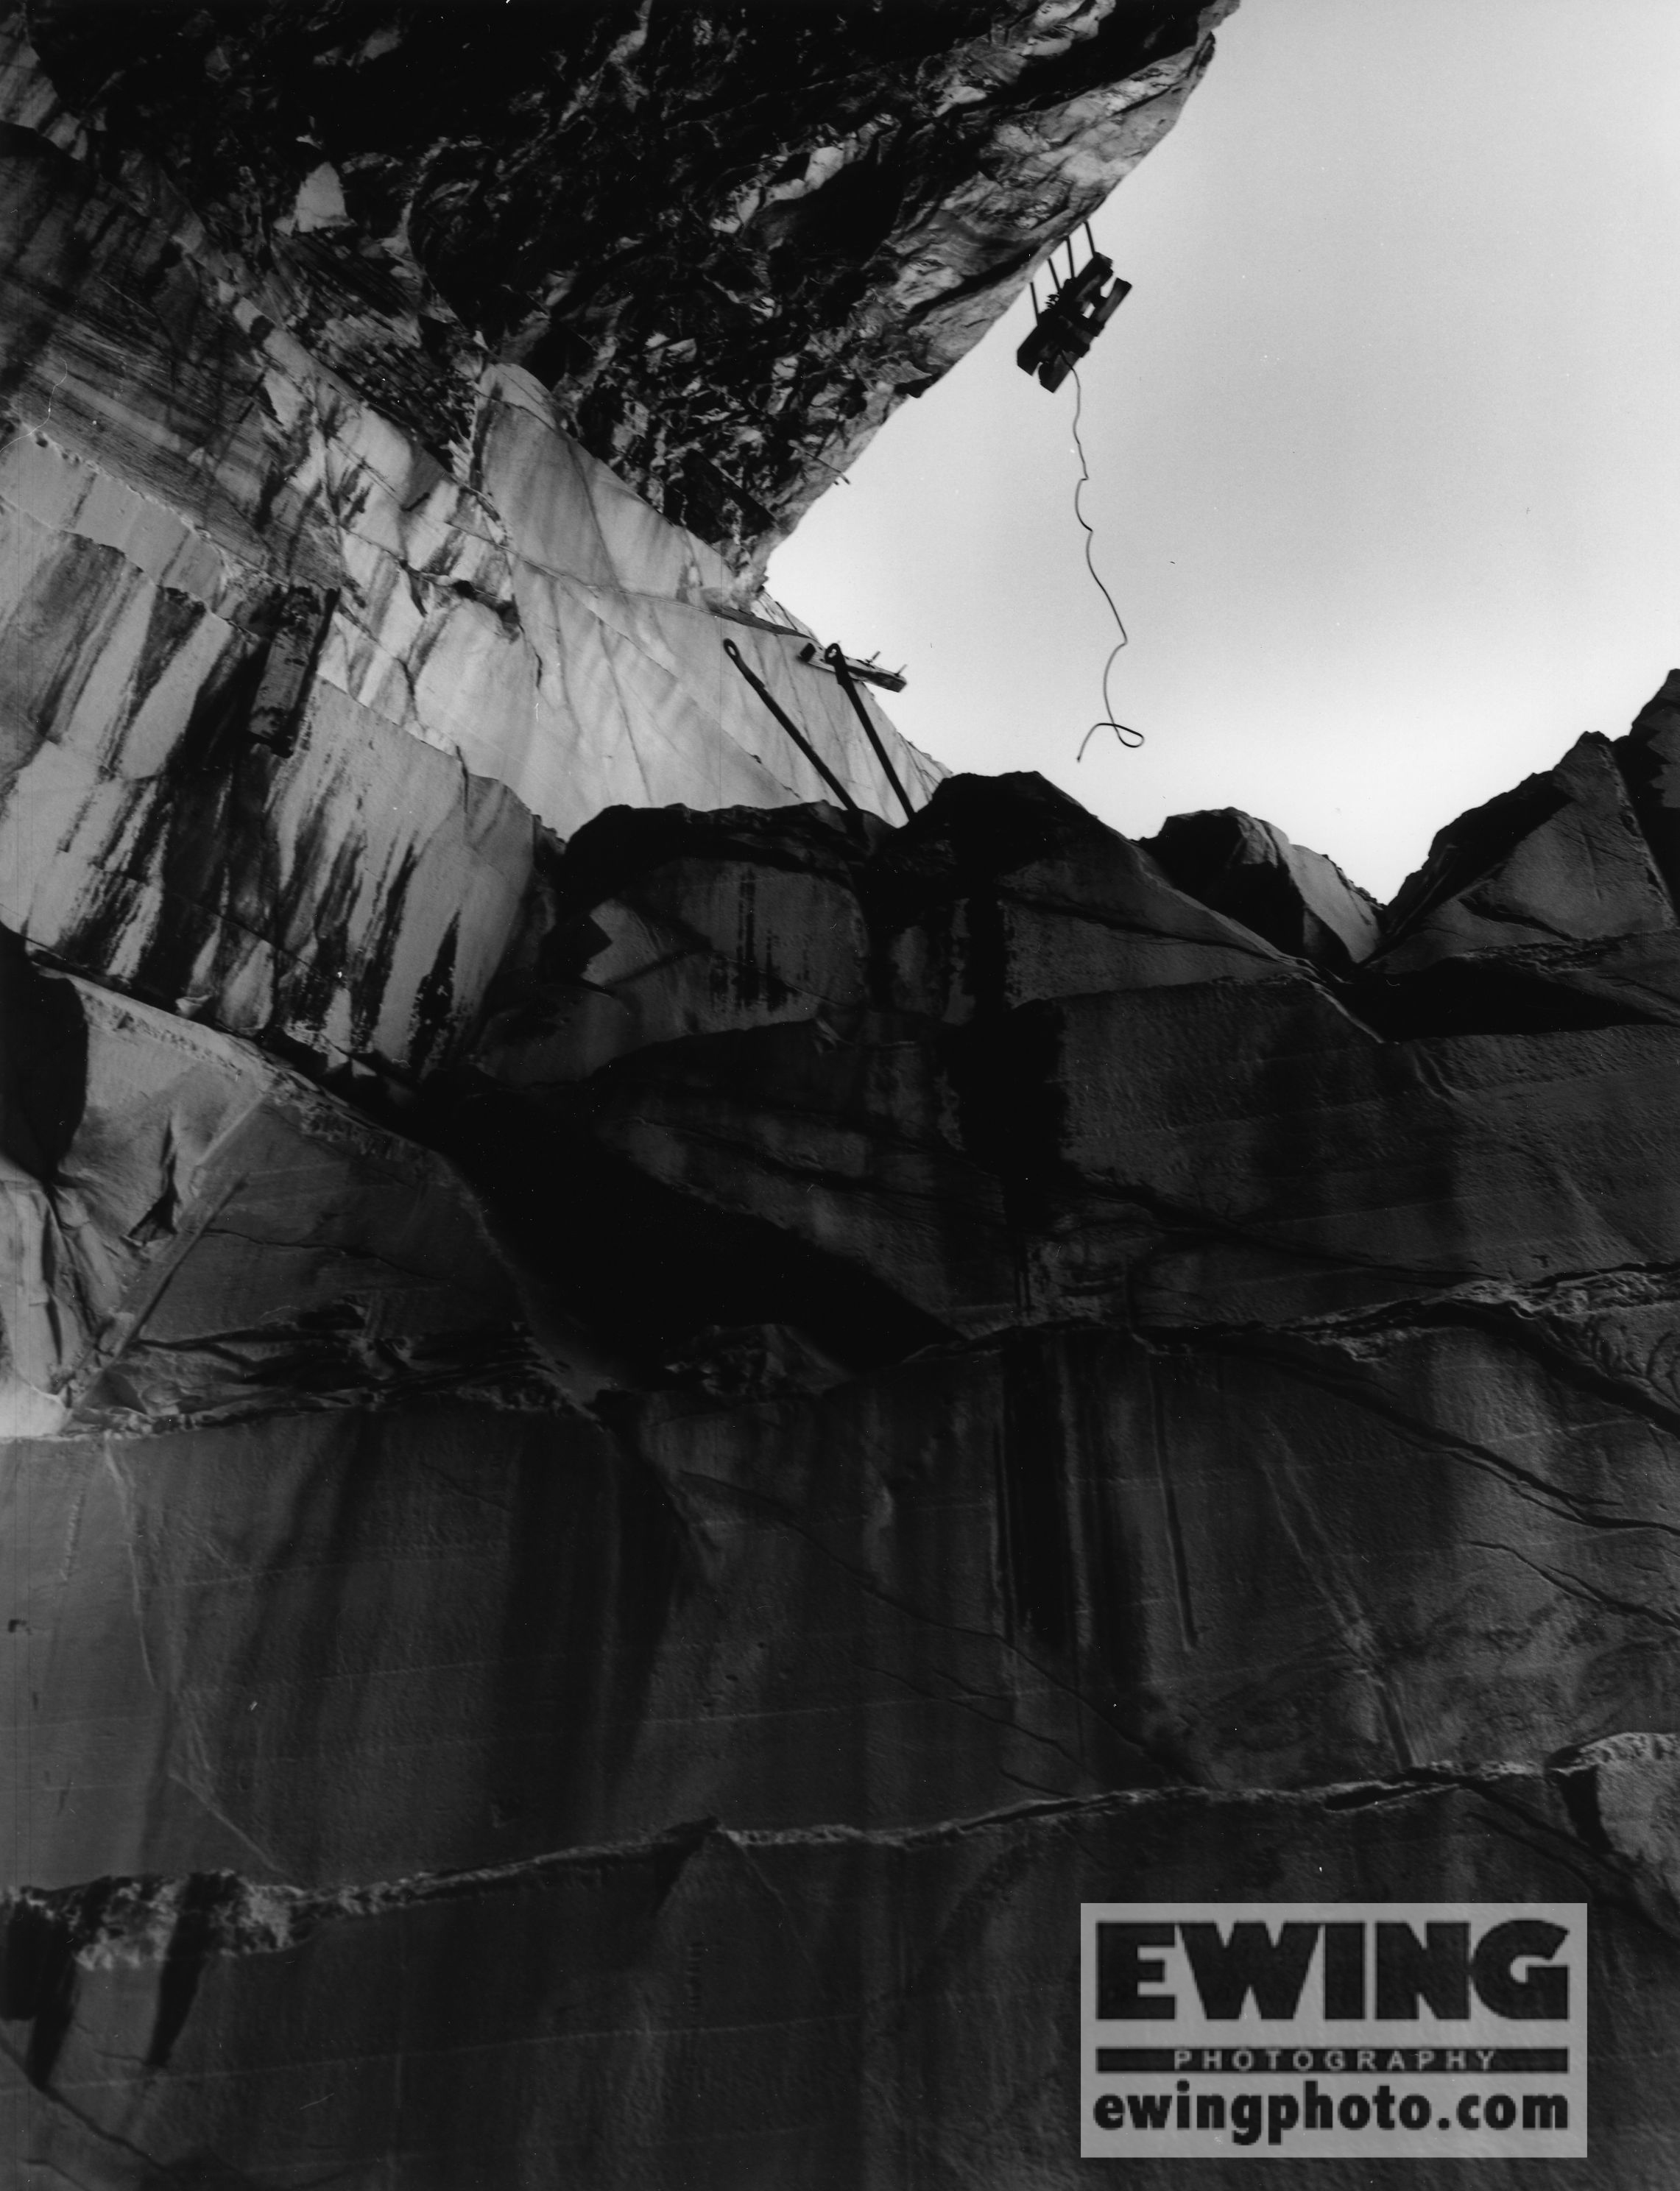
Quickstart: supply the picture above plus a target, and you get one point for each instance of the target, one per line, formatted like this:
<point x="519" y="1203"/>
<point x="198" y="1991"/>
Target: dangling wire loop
<point x="1123" y="731"/>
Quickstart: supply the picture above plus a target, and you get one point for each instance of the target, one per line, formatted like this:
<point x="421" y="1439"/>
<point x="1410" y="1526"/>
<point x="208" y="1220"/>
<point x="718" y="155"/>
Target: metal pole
<point x="837" y="662"/>
<point x="792" y="728"/>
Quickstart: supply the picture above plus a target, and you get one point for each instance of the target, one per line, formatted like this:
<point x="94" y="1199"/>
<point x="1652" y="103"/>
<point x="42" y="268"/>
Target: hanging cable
<point x="1123" y="731"/>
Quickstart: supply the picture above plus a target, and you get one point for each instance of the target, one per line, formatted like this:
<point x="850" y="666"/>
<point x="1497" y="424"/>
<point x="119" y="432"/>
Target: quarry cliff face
<point x="654" y="1410"/>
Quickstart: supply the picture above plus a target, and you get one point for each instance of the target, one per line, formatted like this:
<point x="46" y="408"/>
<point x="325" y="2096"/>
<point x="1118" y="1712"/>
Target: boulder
<point x="281" y="733"/>
<point x="1296" y="898"/>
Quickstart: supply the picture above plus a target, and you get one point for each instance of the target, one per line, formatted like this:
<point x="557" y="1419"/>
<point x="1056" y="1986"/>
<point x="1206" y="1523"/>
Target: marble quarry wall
<point x="649" y="1420"/>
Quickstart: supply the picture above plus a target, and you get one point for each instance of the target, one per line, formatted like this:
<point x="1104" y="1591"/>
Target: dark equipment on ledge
<point x="1078" y="309"/>
<point x="868" y="672"/>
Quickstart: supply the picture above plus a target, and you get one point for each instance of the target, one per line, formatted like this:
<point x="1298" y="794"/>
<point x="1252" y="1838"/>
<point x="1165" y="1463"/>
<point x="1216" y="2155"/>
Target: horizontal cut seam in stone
<point x="1414" y="1317"/>
<point x="132" y="1920"/>
<point x="522" y="1386"/>
<point x="1613" y="1285"/>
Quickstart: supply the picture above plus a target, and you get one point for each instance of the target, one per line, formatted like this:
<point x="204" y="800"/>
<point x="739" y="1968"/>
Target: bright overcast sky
<point x="1385" y="445"/>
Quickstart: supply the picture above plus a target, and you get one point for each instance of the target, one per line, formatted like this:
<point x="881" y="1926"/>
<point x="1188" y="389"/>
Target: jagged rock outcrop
<point x="648" y="1420"/>
<point x="1552" y="907"/>
<point x="1295" y="898"/>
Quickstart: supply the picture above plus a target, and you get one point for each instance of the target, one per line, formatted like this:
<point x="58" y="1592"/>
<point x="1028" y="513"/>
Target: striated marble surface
<point x="729" y="239"/>
<point x="287" y="698"/>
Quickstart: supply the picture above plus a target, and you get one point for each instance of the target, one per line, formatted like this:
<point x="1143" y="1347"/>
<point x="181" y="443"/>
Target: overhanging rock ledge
<point x="648" y="1421"/>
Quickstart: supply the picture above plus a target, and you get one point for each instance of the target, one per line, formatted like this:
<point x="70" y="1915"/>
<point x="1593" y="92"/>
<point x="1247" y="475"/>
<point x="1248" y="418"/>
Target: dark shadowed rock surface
<point x="1551" y="907"/>
<point x="990" y="1386"/>
<point x="591" y="2028"/>
<point x="1296" y="898"/>
<point x="647" y="1419"/>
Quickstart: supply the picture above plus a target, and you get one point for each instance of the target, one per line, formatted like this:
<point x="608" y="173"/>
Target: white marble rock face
<point x="507" y="640"/>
